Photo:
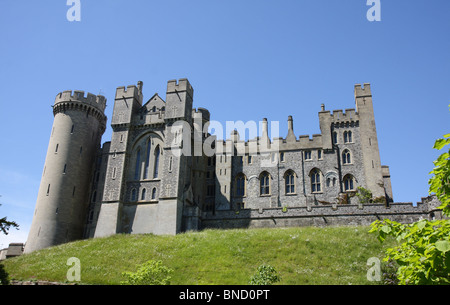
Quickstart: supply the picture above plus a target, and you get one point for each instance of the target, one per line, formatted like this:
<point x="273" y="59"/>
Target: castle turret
<point x="61" y="207"/>
<point x="369" y="140"/>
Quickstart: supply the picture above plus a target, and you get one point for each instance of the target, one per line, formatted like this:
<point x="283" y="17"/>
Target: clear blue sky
<point x="246" y="60"/>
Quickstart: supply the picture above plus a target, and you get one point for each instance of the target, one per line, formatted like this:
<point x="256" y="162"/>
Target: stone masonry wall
<point x="336" y="214"/>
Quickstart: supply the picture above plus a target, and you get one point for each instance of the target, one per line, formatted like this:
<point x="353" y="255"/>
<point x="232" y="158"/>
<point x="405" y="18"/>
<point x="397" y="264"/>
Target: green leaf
<point x="443" y="245"/>
<point x="441" y="143"/>
<point x="421" y="224"/>
<point x="386" y="229"/>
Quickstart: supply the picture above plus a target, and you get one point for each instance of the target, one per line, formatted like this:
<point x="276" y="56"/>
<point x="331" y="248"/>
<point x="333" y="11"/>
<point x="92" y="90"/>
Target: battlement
<point x="339" y="115"/>
<point x="128" y="92"/>
<point x="306" y="142"/>
<point x="362" y="91"/>
<point x="201" y="112"/>
<point x="98" y="101"/>
<point x="181" y="85"/>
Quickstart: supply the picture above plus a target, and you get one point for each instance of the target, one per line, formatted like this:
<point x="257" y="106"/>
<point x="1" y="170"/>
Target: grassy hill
<point x="307" y="255"/>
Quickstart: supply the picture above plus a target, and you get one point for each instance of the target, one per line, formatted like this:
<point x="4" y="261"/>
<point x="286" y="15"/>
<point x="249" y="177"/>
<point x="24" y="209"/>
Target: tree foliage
<point x="423" y="256"/>
<point x="5" y="225"/>
<point x="149" y="273"/>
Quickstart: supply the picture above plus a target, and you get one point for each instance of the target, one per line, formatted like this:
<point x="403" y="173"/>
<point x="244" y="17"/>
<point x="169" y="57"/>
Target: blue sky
<point x="246" y="60"/>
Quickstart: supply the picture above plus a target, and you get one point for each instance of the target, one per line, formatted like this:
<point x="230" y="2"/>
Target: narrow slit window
<point x="133" y="195"/>
<point x="143" y="194"/>
<point x="147" y="161"/>
<point x="157" y="153"/>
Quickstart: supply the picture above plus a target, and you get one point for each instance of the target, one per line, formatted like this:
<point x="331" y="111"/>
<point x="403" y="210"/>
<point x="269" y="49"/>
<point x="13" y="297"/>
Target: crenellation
<point x="363" y="91"/>
<point x="98" y="101"/>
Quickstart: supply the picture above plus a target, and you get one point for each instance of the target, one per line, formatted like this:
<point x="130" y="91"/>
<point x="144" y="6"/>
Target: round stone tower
<point x="61" y="206"/>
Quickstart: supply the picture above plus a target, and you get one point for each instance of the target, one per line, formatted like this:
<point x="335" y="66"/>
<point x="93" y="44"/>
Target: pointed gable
<point x="154" y="104"/>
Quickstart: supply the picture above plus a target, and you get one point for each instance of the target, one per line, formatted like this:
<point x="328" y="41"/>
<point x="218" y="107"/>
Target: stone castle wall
<point x="323" y="215"/>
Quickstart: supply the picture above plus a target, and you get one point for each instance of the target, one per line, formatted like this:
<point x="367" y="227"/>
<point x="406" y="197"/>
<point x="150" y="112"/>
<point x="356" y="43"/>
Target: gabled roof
<point x="156" y="101"/>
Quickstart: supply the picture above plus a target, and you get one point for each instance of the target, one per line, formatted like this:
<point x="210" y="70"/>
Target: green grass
<point x="306" y="255"/>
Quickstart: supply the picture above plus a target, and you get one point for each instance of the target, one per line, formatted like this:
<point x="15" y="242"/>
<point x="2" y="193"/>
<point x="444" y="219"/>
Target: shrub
<point x="389" y="272"/>
<point x="364" y="195"/>
<point x="265" y="275"/>
<point x="4" y="280"/>
<point x="149" y="273"/>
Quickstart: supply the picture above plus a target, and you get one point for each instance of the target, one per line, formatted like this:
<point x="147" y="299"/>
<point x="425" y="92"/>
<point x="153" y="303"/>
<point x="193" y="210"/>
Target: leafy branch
<point x="5" y="225"/>
<point x="424" y="253"/>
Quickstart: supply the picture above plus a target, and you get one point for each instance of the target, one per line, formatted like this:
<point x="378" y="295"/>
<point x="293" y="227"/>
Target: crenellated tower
<point x="128" y="101"/>
<point x="61" y="207"/>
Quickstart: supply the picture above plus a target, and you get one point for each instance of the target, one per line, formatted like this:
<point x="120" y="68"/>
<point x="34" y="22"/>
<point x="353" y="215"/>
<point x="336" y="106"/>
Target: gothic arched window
<point x="315" y="181"/>
<point x="133" y="195"/>
<point x="143" y="194"/>
<point x="346" y="157"/>
<point x="264" y="182"/>
<point x="347" y="136"/>
<point x="289" y="182"/>
<point x="156" y="153"/>
<point x="240" y="185"/>
<point x="147" y="160"/>
<point x="349" y="183"/>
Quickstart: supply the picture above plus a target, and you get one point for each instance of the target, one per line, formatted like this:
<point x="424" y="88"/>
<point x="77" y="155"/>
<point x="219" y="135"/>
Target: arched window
<point x="157" y="153"/>
<point x="147" y="160"/>
<point x="289" y="181"/>
<point x="154" y="193"/>
<point x="315" y="181"/>
<point x="240" y="185"/>
<point x="143" y="194"/>
<point x="137" y="170"/>
<point x="347" y="136"/>
<point x="264" y="182"/>
<point x="349" y="183"/>
<point x="346" y="157"/>
<point x="133" y="195"/>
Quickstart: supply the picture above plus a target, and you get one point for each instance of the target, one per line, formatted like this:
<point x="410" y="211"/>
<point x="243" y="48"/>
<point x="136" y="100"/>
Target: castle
<point x="163" y="173"/>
